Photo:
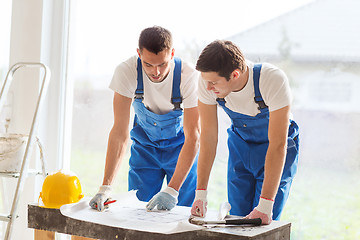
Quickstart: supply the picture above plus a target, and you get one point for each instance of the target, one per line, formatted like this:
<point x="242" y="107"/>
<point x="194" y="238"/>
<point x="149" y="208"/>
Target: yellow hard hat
<point x="59" y="188"/>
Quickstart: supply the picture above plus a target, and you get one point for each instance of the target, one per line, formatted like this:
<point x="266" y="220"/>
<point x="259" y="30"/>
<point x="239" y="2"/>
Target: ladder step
<point x="10" y="174"/>
<point x="5" y="218"/>
<point x="17" y="174"/>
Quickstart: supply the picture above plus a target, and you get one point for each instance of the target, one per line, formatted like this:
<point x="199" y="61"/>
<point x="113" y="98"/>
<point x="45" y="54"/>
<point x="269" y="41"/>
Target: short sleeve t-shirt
<point x="157" y="96"/>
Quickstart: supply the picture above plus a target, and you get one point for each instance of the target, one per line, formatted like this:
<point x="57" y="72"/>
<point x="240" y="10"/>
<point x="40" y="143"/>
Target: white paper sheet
<point x="130" y="213"/>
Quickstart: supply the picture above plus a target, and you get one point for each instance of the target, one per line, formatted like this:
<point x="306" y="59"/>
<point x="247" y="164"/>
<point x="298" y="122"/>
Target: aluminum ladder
<point x="24" y="170"/>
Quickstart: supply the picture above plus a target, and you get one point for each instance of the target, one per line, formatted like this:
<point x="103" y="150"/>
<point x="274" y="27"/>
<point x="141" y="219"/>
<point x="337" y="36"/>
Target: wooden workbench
<point x="52" y="220"/>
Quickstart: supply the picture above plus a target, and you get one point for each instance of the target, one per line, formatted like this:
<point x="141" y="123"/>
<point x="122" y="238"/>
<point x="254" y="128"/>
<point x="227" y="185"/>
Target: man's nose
<point x="156" y="71"/>
<point x="209" y="86"/>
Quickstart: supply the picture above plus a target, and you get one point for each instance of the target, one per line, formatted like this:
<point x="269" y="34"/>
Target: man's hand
<point x="199" y="206"/>
<point x="164" y="200"/>
<point x="97" y="202"/>
<point x="263" y="211"/>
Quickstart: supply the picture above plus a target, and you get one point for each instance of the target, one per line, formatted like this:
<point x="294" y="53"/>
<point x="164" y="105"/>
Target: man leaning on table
<point x="165" y="133"/>
<point x="262" y="140"/>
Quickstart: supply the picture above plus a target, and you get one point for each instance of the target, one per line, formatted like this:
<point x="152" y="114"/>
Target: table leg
<point x="43" y="235"/>
<point x="80" y="238"/>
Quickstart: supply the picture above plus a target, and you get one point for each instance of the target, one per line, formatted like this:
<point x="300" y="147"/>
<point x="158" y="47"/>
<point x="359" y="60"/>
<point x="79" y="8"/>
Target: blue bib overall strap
<point x="139" y="92"/>
<point x="248" y="143"/>
<point x="221" y="101"/>
<point x="157" y="142"/>
<point x="176" y="98"/>
<point x="258" y="99"/>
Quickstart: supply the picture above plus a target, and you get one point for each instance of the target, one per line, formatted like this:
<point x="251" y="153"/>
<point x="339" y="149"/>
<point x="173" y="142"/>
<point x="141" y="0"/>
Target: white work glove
<point x="199" y="206"/>
<point x="263" y="211"/>
<point x="103" y="195"/>
<point x="164" y="200"/>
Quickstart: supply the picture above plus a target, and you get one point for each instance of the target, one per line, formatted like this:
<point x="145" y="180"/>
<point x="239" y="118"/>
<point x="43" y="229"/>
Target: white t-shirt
<point x="274" y="88"/>
<point x="157" y="96"/>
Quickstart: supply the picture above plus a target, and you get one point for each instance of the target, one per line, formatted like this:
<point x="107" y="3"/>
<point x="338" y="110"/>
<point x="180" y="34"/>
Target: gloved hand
<point x="97" y="202"/>
<point x="263" y="211"/>
<point x="164" y="200"/>
<point x="199" y="206"/>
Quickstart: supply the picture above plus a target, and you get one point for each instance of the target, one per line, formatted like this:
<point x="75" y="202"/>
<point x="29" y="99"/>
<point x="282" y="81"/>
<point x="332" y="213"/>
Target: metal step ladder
<point x="24" y="171"/>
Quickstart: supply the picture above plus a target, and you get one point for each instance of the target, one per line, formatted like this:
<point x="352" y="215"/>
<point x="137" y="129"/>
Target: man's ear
<point x="236" y="73"/>
<point x="172" y="53"/>
<point x="138" y="51"/>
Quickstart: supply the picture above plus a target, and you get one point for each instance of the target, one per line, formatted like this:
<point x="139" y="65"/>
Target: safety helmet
<point x="59" y="188"/>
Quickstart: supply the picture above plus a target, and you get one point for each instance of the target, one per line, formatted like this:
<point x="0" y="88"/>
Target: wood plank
<point x="52" y="220"/>
<point x="80" y="238"/>
<point x="43" y="235"/>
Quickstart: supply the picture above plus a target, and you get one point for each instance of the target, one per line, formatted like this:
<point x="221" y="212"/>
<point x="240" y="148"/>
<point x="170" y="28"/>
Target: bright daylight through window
<point x="320" y="58"/>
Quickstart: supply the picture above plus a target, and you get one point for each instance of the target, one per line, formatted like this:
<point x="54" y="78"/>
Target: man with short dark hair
<point x="165" y="136"/>
<point x="263" y="139"/>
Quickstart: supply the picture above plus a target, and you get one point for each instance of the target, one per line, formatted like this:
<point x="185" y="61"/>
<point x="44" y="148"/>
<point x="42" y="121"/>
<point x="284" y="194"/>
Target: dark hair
<point x="155" y="39"/>
<point x="222" y="57"/>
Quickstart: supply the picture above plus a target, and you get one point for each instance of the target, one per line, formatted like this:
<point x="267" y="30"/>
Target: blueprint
<point x="130" y="213"/>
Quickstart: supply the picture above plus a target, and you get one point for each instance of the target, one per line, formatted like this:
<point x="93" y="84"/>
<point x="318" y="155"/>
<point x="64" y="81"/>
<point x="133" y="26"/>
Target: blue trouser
<point x="148" y="167"/>
<point x="246" y="173"/>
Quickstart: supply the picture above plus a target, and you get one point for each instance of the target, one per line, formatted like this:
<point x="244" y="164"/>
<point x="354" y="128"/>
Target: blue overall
<point x="157" y="142"/>
<point x="248" y="143"/>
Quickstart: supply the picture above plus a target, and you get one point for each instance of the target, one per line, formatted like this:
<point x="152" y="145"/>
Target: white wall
<point x="38" y="29"/>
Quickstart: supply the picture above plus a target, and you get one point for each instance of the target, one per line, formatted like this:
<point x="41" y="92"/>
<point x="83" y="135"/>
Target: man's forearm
<point x="274" y="164"/>
<point x="206" y="159"/>
<point x="276" y="153"/>
<point x="115" y="153"/>
<point x="185" y="162"/>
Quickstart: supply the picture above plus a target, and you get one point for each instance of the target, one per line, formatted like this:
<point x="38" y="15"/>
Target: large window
<point x="323" y="202"/>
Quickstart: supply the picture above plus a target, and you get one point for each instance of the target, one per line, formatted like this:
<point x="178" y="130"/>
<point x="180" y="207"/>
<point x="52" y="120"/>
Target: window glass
<point x="323" y="202"/>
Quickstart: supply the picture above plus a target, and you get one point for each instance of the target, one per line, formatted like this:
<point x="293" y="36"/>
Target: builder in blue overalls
<point x="262" y="139"/>
<point x="165" y="132"/>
